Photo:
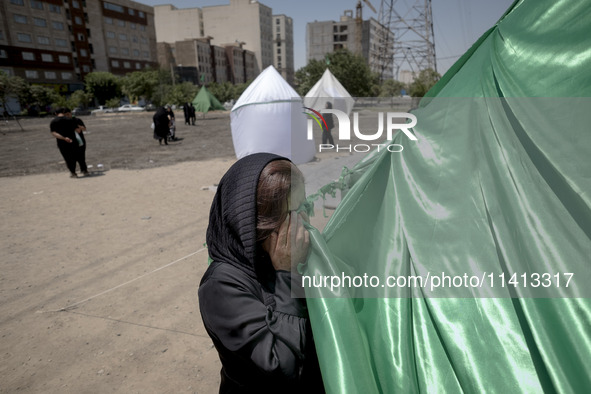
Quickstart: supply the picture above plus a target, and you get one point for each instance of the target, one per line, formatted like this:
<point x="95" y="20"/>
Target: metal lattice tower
<point x="411" y="21"/>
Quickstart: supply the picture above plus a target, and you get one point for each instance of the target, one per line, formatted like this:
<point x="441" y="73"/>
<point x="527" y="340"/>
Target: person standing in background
<point x="187" y="113"/>
<point x="192" y="113"/>
<point x="161" y="125"/>
<point x="81" y="151"/>
<point x="65" y="130"/>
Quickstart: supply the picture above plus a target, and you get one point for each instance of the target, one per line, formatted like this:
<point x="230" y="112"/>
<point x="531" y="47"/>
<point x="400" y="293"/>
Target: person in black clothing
<point x="161" y="125"/>
<point x="187" y="113"/>
<point x="65" y="130"/>
<point x="326" y="130"/>
<point x="81" y="152"/>
<point x="192" y="113"/>
<point x="255" y="240"/>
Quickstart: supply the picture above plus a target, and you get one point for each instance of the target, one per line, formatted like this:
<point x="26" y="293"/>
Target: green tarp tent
<point x="498" y="182"/>
<point x="204" y="101"/>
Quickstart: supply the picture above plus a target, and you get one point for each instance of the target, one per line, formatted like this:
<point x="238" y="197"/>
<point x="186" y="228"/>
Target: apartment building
<point x="246" y="24"/>
<point x="283" y="46"/>
<point x="367" y="38"/>
<point x="58" y="42"/>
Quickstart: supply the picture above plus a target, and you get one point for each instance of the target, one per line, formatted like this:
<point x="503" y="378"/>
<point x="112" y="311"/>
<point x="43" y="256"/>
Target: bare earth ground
<point x="99" y="275"/>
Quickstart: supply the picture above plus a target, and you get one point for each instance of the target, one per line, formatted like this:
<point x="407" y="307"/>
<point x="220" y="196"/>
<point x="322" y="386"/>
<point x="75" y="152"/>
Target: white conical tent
<point x="328" y="88"/>
<point x="268" y="117"/>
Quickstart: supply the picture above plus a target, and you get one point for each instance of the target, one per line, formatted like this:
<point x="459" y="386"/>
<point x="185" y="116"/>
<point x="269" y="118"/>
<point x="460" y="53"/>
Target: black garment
<point x="70" y="151"/>
<point x="187" y="113"/>
<point x="326" y="130"/>
<point x="81" y="151"/>
<point x="192" y="113"/>
<point x="161" y="124"/>
<point x="262" y="335"/>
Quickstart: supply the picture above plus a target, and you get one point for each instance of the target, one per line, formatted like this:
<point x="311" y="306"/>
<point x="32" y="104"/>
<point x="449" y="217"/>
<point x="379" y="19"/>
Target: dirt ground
<point x="99" y="275"/>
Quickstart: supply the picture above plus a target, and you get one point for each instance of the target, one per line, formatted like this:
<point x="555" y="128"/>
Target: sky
<point x="457" y="23"/>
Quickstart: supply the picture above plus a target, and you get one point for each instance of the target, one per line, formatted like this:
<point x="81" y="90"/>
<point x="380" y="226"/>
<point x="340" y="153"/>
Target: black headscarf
<point x="231" y="235"/>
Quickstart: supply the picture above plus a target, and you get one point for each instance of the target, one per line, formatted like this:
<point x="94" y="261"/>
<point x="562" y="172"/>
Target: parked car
<point x="130" y="108"/>
<point x="80" y="111"/>
<point x="101" y="110"/>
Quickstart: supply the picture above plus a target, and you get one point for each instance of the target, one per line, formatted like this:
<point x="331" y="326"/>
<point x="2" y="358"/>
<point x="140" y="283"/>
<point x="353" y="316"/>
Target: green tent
<point x="204" y="101"/>
<point x="498" y="183"/>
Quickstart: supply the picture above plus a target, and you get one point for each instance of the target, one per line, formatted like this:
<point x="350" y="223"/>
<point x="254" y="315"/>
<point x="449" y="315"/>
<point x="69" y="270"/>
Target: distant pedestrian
<point x="326" y="130"/>
<point x="69" y="142"/>
<point x="161" y="125"/>
<point x="172" y="124"/>
<point x="192" y="113"/>
<point x="81" y="152"/>
<point x="187" y="113"/>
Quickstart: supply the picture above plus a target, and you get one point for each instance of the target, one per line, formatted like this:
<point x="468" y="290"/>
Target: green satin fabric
<point x="491" y="184"/>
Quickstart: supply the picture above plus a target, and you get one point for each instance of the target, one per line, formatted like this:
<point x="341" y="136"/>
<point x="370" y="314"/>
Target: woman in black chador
<point x="256" y="239"/>
<point x="161" y="125"/>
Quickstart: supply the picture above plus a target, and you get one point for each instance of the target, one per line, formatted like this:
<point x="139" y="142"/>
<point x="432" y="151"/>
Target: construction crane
<point x="359" y="24"/>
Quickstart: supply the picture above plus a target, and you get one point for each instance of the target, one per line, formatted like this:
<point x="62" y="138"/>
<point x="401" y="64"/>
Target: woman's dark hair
<point x="272" y="196"/>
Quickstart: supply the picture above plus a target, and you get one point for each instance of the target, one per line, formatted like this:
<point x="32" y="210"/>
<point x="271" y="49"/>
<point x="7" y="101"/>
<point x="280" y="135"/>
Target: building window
<point x="60" y="42"/>
<point x="78" y="20"/>
<point x="66" y="75"/>
<point x="88" y="32"/>
<point x="86" y="68"/>
<point x="6" y="71"/>
<point x="64" y="59"/>
<point x="143" y="40"/>
<point x="112" y="50"/>
<point x="121" y="23"/>
<point x="278" y="51"/>
<point x="136" y="53"/>
<point x="75" y="4"/>
<point x="134" y="39"/>
<point x="17" y="2"/>
<point x="108" y="21"/>
<point x="91" y="48"/>
<point x="142" y="28"/>
<point x="83" y="53"/>
<point x="47" y="57"/>
<point x="123" y="37"/>
<point x="24" y="37"/>
<point x="145" y="54"/>
<point x="57" y="25"/>
<point x="277" y="21"/>
<point x="40" y="22"/>
<point x="28" y="56"/>
<point x="132" y="25"/>
<point x="113" y="7"/>
<point x="36" y="4"/>
<point x="125" y="51"/>
<point x="115" y="63"/>
<point x="50" y="75"/>
<point x="126" y="64"/>
<point x="20" y="18"/>
<point x="81" y="37"/>
<point x="55" y="8"/>
<point x="278" y="29"/>
<point x="1" y="35"/>
<point x="31" y="74"/>
<point x="110" y="34"/>
<point x="141" y="14"/>
<point x="138" y="66"/>
<point x="131" y="11"/>
<point x="3" y="54"/>
<point x="43" y="40"/>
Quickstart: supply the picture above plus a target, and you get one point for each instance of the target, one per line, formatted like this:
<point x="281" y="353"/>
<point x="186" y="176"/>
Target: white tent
<point x="268" y="117"/>
<point x="328" y="88"/>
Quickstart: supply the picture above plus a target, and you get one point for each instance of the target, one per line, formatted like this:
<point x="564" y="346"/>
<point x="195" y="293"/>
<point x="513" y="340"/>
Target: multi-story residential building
<point x="283" y="46"/>
<point x="58" y="42"/>
<point x="197" y="61"/>
<point x="244" y="23"/>
<point x="366" y="38"/>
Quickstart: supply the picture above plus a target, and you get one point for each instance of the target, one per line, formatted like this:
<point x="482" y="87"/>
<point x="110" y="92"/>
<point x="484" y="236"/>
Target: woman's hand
<point x="288" y="247"/>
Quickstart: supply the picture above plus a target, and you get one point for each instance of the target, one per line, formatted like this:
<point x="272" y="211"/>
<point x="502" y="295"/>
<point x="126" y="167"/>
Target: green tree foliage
<point x="391" y="88"/>
<point x="351" y="70"/>
<point x="42" y="96"/>
<point x="11" y="87"/>
<point x="103" y="86"/>
<point x="222" y="91"/>
<point x="79" y="98"/>
<point x="115" y="102"/>
<point x="181" y="93"/>
<point x="140" y="84"/>
<point x="425" y="81"/>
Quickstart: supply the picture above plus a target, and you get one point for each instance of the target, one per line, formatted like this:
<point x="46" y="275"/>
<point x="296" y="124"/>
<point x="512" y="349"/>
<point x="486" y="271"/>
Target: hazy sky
<point x="457" y="23"/>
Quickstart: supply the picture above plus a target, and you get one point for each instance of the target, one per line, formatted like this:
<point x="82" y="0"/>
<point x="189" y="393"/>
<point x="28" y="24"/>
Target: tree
<point x="79" y="99"/>
<point x="140" y="84"/>
<point x="42" y="96"/>
<point x="11" y="87"/>
<point x="222" y="91"/>
<point x="181" y="93"/>
<point x="103" y="86"/>
<point x="350" y="69"/>
<point x="113" y="103"/>
<point x="425" y="81"/>
<point x="391" y="88"/>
